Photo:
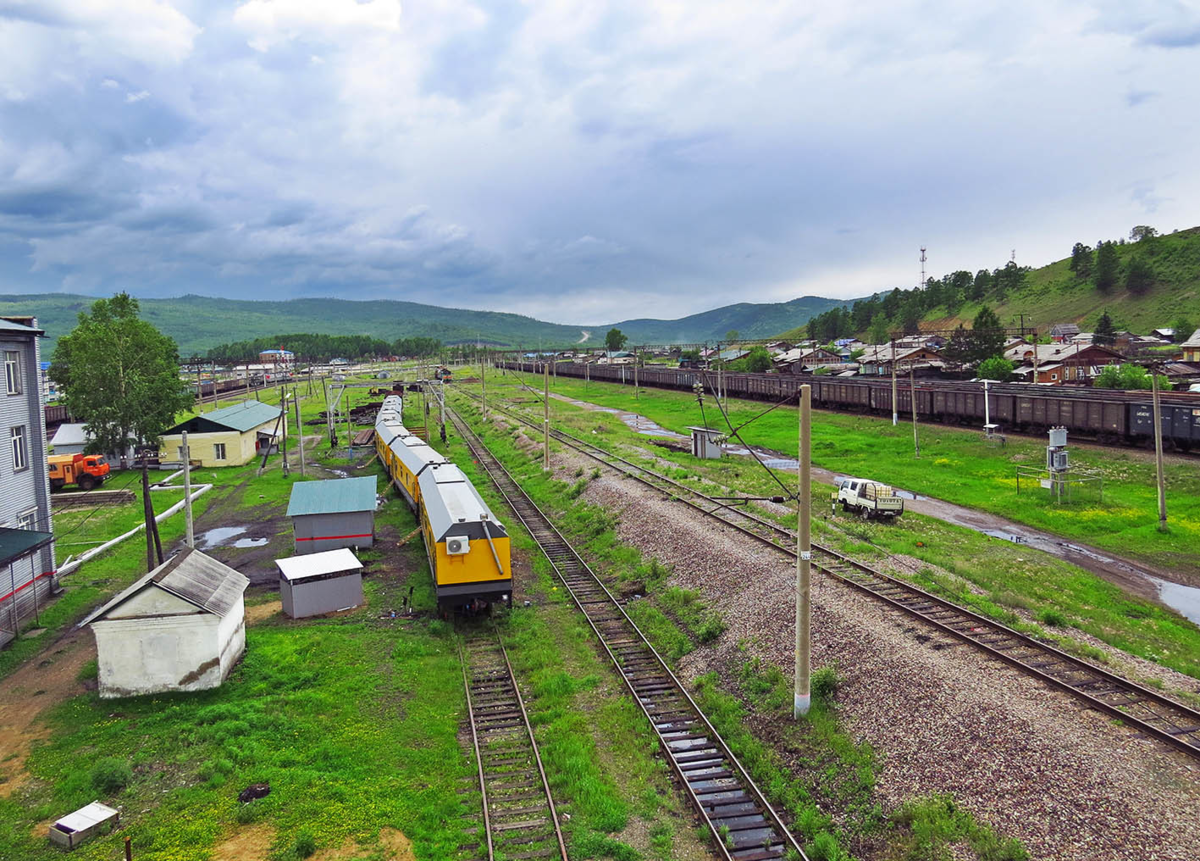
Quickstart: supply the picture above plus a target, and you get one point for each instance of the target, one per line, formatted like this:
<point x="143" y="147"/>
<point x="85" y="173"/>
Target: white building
<point x="27" y="572"/>
<point x="181" y="627"/>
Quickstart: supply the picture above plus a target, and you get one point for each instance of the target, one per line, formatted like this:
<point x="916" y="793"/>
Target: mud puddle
<point x="220" y="537"/>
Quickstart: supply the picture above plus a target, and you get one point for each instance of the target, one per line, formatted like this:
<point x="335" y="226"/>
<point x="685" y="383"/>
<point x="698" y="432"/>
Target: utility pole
<point x="546" y="419"/>
<point x="912" y="396"/>
<point x="895" y="410"/>
<point x="148" y="514"/>
<point x="1158" y="453"/>
<point x="635" y="376"/>
<point x="442" y="410"/>
<point x="299" y="428"/>
<point x="349" y="438"/>
<point x="283" y="429"/>
<point x="803" y="697"/>
<point x="483" y="388"/>
<point x="187" y="492"/>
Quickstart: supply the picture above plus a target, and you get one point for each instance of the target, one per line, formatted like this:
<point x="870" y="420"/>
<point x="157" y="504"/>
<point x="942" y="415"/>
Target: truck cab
<point x="86" y="470"/>
<point x="868" y="498"/>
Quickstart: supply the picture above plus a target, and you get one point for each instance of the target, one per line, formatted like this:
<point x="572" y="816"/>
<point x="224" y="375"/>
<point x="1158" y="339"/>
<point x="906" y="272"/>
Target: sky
<point x="581" y="162"/>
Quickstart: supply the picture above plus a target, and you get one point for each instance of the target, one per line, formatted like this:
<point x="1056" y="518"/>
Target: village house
<point x="232" y="436"/>
<point x="1060" y="363"/>
<point x="878" y="360"/>
<point x="1061" y="332"/>
<point x="802" y="360"/>
<point x="181" y="627"/>
<point x="1191" y="348"/>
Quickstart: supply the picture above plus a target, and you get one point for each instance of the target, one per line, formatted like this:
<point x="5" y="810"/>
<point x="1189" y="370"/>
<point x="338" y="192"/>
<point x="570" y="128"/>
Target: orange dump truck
<point x="86" y="470"/>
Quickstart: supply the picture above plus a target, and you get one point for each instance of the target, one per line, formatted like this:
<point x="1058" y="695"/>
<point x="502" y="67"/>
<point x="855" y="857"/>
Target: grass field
<point x="957" y="466"/>
<point x="1024" y="588"/>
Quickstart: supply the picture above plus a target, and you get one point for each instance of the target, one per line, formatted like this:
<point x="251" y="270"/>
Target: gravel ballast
<point x="1028" y="759"/>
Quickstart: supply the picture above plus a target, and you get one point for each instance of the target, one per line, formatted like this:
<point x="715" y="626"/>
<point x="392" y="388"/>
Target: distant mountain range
<point x="198" y="323"/>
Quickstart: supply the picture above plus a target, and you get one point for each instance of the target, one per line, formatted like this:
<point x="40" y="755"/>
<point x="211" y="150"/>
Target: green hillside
<point x="198" y="323"/>
<point x="750" y="320"/>
<point x="1168" y="289"/>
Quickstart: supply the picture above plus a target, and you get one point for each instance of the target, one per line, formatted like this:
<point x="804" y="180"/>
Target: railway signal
<point x="803" y="696"/>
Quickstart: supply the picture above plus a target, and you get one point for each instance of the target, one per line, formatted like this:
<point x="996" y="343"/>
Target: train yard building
<point x="232" y="436"/>
<point x="330" y="514"/>
<point x="27" y="572"/>
<point x="320" y="583"/>
<point x="181" y="627"/>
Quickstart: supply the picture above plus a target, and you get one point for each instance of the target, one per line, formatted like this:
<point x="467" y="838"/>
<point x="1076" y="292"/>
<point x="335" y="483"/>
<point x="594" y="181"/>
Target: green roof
<point x="241" y="417"/>
<point x="336" y="496"/>
<point x="15" y="543"/>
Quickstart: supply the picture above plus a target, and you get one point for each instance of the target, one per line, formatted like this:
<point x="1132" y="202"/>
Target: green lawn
<point x="955" y="465"/>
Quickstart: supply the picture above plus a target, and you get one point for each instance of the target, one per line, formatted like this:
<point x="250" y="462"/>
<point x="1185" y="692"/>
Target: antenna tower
<point x="922" y="285"/>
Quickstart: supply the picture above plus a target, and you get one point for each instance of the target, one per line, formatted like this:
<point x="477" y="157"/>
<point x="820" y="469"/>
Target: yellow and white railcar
<point x="468" y="547"/>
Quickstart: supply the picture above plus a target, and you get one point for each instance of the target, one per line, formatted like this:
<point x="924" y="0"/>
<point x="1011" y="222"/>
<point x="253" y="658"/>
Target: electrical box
<point x="1058" y="437"/>
<point x="1059" y="461"/>
<point x="706" y="443"/>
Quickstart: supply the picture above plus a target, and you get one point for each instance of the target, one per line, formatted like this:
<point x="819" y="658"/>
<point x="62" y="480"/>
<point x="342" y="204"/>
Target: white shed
<point x="181" y="627"/>
<point x="320" y="583"/>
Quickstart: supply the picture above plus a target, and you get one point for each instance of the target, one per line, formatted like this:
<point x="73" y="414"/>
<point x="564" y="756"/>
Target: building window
<point x="1054" y="376"/>
<point x="27" y="519"/>
<point x="219" y="451"/>
<point x="12" y="372"/>
<point x="19" y="459"/>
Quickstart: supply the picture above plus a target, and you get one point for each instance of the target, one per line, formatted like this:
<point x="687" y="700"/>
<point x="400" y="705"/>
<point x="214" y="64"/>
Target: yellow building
<point x="1191" y="348"/>
<point x="232" y="436"/>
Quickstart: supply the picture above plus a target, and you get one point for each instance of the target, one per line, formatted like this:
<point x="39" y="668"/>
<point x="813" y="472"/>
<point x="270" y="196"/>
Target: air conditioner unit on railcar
<point x="457" y="545"/>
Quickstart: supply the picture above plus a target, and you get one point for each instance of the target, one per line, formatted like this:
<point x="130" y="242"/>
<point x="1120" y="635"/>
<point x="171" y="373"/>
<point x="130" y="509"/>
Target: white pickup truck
<point x="868" y="498"/>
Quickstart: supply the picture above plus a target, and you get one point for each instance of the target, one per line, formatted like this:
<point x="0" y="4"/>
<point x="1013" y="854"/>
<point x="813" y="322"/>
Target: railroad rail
<point x="1143" y="708"/>
<point x="742" y="822"/>
<point x="519" y="818"/>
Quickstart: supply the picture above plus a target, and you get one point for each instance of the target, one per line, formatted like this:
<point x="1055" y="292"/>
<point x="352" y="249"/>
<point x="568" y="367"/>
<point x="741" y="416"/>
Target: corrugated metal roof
<point x="241" y="417"/>
<point x="334" y="496"/>
<point x="196" y="578"/>
<point x="10" y="326"/>
<point x="69" y="433"/>
<point x="316" y="564"/>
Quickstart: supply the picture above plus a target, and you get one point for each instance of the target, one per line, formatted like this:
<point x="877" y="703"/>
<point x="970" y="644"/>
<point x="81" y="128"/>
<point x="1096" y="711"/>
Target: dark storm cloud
<point x="606" y="160"/>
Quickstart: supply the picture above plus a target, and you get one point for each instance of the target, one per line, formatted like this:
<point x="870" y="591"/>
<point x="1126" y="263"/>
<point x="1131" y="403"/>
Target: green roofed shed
<point x="327" y="515"/>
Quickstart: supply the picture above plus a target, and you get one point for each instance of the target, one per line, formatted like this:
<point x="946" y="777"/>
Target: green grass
<point x="991" y="576"/>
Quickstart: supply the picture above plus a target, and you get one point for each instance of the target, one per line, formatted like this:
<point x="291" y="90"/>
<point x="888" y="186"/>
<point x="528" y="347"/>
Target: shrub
<point x="824" y="682"/>
<point x="710" y="629"/>
<point x="1052" y="618"/>
<point x="248" y="812"/>
<point x="110" y="775"/>
<point x="824" y="848"/>
<point x="305" y="844"/>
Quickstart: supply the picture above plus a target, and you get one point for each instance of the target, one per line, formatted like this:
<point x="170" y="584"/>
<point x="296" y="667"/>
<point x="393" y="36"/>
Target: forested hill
<point x="199" y="323"/>
<point x="1144" y="282"/>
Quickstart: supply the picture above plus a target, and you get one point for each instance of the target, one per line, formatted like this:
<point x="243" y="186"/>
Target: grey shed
<point x="327" y="515"/>
<point x="320" y="583"/>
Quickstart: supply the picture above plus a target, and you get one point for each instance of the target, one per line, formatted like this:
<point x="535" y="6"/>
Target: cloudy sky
<point x="582" y="162"/>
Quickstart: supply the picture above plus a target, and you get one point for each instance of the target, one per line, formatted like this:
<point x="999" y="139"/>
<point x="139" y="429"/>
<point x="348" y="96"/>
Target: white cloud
<point x="582" y="162"/>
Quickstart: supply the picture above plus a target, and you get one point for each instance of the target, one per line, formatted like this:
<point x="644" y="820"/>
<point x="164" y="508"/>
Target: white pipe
<point x="987" y="413"/>
<point x="71" y="566"/>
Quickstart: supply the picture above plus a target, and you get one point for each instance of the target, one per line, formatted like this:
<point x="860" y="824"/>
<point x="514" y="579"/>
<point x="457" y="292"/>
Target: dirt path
<point x="43" y="682"/>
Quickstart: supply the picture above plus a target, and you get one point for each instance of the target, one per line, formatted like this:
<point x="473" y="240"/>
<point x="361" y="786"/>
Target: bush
<point x="110" y="775"/>
<point x="305" y="844"/>
<point x="249" y="811"/>
<point x="824" y="683"/>
<point x="1052" y="618"/>
<point x="825" y="848"/>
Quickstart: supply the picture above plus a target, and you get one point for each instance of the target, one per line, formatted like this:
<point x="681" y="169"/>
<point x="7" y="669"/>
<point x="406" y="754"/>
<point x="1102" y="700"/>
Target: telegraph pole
<point x="1158" y="453"/>
<point x="283" y="429"/>
<point x="895" y="411"/>
<point x="803" y="698"/>
<point x="546" y="419"/>
<point x="912" y="396"/>
<point x="187" y="492"/>
<point x="483" y="388"/>
<point x="299" y="429"/>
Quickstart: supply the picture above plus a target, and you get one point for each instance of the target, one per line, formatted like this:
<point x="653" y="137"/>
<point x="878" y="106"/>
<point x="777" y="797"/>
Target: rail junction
<point x="743" y="824"/>
<point x="1147" y="710"/>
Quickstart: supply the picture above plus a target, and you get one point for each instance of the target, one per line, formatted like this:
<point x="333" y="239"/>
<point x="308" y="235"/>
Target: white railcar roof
<point x="450" y="500"/>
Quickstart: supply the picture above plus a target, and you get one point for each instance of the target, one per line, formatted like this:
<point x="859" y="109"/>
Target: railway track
<point x="1147" y="710"/>
<point x="519" y="818"/>
<point x="742" y="822"/>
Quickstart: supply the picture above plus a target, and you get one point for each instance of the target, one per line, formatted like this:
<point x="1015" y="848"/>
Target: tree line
<point x="322" y="348"/>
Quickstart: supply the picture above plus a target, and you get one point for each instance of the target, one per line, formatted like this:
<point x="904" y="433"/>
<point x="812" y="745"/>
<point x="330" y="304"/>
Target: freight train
<point x="1108" y="416"/>
<point x="468" y="548"/>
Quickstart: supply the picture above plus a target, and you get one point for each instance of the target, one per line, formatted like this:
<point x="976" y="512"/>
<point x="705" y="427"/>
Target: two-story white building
<point x="27" y="572"/>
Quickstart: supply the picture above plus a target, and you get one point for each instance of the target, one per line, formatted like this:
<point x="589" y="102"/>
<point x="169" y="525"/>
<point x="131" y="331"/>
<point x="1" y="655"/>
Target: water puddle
<point x="645" y="427"/>
<point x="222" y="534"/>
<point x="1185" y="600"/>
<point x="1003" y="536"/>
